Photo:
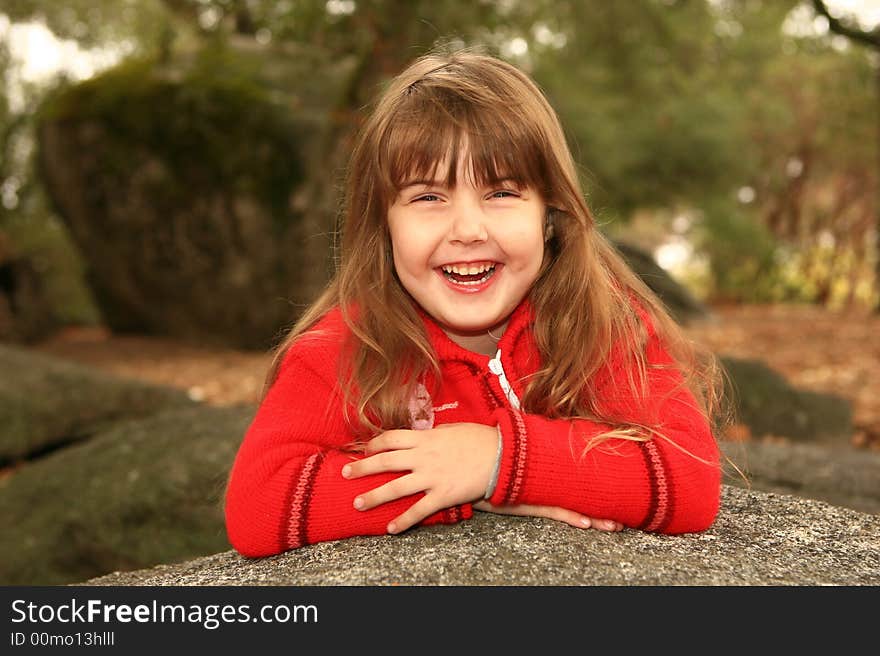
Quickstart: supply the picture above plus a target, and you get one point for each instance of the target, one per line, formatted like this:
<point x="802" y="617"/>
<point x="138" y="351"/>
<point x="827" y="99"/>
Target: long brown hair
<point x="584" y="297"/>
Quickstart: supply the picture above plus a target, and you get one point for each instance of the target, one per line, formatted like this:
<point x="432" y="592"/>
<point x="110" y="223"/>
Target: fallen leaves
<point x="813" y="347"/>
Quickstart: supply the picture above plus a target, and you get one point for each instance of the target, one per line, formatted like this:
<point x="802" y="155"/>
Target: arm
<point x="666" y="485"/>
<point x="286" y="488"/>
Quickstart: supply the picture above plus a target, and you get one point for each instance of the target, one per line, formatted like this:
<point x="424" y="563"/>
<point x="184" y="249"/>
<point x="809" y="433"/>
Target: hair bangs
<point x="432" y="137"/>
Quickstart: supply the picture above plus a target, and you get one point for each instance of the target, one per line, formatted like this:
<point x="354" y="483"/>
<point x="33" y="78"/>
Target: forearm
<point x="286" y="487"/>
<point x="272" y="507"/>
<point x="667" y="484"/>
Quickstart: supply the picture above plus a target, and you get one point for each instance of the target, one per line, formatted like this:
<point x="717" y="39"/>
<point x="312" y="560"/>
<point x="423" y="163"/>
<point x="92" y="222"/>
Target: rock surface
<point x="680" y="302"/>
<point x="142" y="492"/>
<point x="201" y="248"/>
<point x="46" y="403"/>
<point x="758" y="539"/>
<point x="841" y="476"/>
<point x="769" y="405"/>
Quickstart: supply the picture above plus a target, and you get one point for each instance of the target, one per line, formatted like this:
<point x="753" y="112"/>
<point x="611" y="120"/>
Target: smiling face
<point x="468" y="253"/>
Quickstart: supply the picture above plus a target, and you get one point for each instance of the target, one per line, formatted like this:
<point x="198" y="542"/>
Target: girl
<point x="481" y="345"/>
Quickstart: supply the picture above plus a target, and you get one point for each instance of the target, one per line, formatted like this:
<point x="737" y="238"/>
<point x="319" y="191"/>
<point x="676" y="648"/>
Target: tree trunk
<point x="389" y="47"/>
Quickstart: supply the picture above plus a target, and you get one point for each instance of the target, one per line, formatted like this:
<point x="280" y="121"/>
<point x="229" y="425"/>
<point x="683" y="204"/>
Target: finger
<point x="556" y="513"/>
<point x="577" y="520"/>
<point x="549" y="512"/>
<point x="396" y="489"/>
<point x="387" y="461"/>
<point x="391" y="441"/>
<point x="564" y="515"/>
<point x="424" y="507"/>
<point x="607" y="525"/>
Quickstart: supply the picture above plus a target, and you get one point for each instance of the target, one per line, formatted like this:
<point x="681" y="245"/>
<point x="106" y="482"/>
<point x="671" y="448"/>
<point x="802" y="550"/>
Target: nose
<point x="468" y="224"/>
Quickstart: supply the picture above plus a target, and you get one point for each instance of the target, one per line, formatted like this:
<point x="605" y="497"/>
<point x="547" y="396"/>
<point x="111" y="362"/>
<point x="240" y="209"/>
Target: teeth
<point x="488" y="270"/>
<point x="468" y="269"/>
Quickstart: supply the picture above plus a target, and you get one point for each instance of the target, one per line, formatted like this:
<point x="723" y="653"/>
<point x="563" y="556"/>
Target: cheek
<point x="526" y="247"/>
<point x="411" y="250"/>
<point x="397" y="236"/>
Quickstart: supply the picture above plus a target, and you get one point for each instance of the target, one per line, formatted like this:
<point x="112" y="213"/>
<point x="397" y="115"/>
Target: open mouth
<point x="469" y="274"/>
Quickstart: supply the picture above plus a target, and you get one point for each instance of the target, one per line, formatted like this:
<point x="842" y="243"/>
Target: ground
<point x="813" y="347"/>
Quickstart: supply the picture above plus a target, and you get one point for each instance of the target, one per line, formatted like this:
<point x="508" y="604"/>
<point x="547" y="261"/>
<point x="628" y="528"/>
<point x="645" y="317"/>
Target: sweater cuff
<point x="512" y="427"/>
<point x="451" y="515"/>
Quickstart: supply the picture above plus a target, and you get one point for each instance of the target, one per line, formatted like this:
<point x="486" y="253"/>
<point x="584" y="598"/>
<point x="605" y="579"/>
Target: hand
<point x="570" y="517"/>
<point x="451" y="464"/>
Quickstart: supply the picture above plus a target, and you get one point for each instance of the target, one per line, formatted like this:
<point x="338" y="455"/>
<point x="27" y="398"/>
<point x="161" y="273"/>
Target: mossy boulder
<point x="143" y="492"/>
<point x="46" y="403"/>
<point x="25" y="312"/>
<point x="769" y="405"/>
<point x="176" y="182"/>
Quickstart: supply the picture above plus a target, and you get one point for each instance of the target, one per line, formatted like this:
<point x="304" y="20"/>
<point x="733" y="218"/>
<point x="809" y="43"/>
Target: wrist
<point x="496" y="468"/>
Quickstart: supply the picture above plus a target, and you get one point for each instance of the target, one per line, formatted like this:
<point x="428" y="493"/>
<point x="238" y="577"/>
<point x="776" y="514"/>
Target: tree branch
<point x="870" y="39"/>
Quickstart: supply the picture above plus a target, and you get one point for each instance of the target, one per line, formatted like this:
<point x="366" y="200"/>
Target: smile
<point x="469" y="277"/>
<point x="473" y="272"/>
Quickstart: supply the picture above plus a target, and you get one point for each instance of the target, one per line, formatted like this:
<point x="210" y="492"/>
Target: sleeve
<point x="286" y="489"/>
<point x="668" y="484"/>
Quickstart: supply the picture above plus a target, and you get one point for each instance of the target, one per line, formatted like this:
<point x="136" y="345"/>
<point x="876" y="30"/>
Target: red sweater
<point x="286" y="488"/>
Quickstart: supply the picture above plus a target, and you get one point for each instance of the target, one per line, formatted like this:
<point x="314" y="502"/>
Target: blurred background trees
<point x="173" y="166"/>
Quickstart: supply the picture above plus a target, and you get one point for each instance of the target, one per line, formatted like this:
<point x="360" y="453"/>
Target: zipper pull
<point x="496" y="368"/>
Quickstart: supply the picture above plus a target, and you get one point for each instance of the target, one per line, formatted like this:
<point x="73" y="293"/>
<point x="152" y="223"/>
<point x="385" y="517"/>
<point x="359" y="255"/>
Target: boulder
<point x="682" y="305"/>
<point x="839" y="475"/>
<point x="765" y="402"/>
<point x="176" y="182"/>
<point x="26" y="313"/>
<point x="758" y="539"/>
<point x="47" y="403"/>
<point x="142" y="492"/>
<point x="147" y="486"/>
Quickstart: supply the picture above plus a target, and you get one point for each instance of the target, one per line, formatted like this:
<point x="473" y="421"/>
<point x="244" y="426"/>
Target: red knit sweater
<point x="286" y="488"/>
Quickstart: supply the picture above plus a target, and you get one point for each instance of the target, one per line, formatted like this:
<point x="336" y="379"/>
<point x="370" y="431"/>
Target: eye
<point x="426" y="197"/>
<point x="503" y="193"/>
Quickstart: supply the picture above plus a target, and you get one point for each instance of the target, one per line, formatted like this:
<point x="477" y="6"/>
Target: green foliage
<point x="743" y="257"/>
<point x="213" y="125"/>
<point x="94" y="23"/>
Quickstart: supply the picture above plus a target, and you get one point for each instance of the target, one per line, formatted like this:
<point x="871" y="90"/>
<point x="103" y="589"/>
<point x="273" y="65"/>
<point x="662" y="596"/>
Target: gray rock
<point x="680" y="302"/>
<point x="147" y="491"/>
<point x="842" y="476"/>
<point x="758" y="539"/>
<point x="143" y="492"/>
<point x="47" y="403"/>
<point x="198" y="248"/>
<point x="766" y="402"/>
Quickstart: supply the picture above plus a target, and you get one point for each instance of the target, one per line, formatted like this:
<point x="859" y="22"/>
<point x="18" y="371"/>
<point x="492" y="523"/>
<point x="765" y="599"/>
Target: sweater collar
<point x="521" y="320"/>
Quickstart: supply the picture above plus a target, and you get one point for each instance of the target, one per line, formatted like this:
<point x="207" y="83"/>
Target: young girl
<point x="480" y="347"/>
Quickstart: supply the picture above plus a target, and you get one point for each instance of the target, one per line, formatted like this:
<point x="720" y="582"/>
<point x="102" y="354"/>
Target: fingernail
<point x="611" y="525"/>
<point x="358" y="502"/>
<point x="392" y="528"/>
<point x="586" y="522"/>
<point x="346" y="471"/>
